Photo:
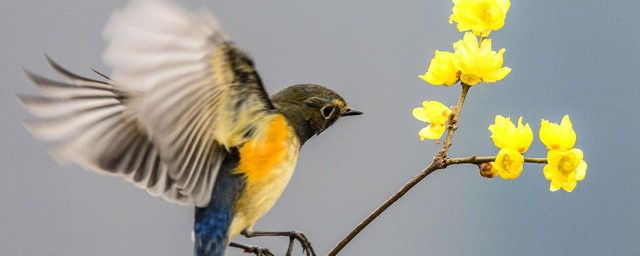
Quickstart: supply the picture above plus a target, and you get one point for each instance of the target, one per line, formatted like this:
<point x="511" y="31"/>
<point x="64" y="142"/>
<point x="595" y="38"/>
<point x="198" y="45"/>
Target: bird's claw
<point x="304" y="242"/>
<point x="293" y="235"/>
<point x="258" y="251"/>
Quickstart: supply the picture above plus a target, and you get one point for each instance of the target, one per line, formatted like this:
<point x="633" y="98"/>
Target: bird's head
<point x="311" y="108"/>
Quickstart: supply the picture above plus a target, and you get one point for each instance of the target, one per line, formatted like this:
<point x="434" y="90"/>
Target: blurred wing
<point x="191" y="74"/>
<point x="91" y="124"/>
<point x="181" y="96"/>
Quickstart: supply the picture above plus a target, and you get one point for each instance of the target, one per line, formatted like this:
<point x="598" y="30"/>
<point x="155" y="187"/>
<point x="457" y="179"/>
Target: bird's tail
<point x="211" y="229"/>
<point x="212" y="223"/>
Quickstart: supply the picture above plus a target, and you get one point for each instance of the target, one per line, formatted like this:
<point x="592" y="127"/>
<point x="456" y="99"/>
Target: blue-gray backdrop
<point x="568" y="57"/>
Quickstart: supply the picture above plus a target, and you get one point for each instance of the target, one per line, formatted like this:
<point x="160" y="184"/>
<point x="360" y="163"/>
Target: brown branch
<point x="438" y="163"/>
<point x="486" y="159"/>
<point x="453" y="120"/>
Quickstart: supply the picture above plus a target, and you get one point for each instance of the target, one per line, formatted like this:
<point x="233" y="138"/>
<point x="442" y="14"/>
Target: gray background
<point x="568" y="57"/>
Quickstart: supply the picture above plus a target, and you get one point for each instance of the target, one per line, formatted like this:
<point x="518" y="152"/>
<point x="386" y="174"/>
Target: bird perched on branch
<point x="185" y="116"/>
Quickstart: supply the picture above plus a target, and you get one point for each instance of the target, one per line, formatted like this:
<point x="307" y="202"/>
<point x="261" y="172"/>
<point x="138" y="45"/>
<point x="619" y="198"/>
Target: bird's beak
<point x="351" y="112"/>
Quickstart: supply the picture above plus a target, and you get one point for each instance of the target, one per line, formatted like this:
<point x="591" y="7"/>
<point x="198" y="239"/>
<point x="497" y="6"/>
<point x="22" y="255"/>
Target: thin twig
<point x="438" y="163"/>
<point x="435" y="165"/>
<point x="453" y="120"/>
<point x="486" y="159"/>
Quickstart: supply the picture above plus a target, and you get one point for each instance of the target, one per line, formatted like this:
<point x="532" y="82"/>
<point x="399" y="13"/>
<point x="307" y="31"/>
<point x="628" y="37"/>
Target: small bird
<point x="185" y="116"/>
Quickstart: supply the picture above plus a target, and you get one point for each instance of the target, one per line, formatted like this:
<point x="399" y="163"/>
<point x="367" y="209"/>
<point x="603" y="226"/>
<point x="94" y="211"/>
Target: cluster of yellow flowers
<point x="473" y="61"/>
<point x="565" y="166"/>
<point x="513" y="142"/>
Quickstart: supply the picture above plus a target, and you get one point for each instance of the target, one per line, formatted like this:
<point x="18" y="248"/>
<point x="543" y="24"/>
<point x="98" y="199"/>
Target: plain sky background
<point x="580" y="58"/>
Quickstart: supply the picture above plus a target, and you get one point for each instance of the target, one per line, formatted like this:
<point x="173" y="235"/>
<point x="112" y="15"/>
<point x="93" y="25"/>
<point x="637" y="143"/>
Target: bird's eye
<point x="326" y="111"/>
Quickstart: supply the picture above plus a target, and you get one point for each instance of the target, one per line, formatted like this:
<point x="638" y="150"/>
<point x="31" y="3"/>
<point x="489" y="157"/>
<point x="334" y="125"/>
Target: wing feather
<point x="180" y="96"/>
<point x="200" y="91"/>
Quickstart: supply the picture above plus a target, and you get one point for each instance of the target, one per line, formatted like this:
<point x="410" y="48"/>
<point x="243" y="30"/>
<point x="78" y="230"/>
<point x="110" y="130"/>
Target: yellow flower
<point x="565" y="169"/>
<point x="506" y="135"/>
<point x="477" y="62"/>
<point x="436" y="114"/>
<point x="513" y="141"/>
<point x="509" y="163"/>
<point x="479" y="16"/>
<point x="557" y="137"/>
<point x="443" y="69"/>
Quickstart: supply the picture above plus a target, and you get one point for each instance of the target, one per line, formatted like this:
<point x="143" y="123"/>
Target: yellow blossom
<point x="436" y="114"/>
<point x="477" y="62"/>
<point x="505" y="134"/>
<point x="479" y="16"/>
<point x="509" y="163"/>
<point x="565" y="169"/>
<point x="442" y="69"/>
<point x="557" y="137"/>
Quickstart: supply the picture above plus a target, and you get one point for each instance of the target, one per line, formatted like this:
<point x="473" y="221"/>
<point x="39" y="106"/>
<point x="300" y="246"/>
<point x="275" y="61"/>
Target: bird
<point x="185" y="116"/>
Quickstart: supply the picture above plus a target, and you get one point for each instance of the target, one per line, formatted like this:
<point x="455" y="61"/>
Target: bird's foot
<point x="293" y="235"/>
<point x="258" y="251"/>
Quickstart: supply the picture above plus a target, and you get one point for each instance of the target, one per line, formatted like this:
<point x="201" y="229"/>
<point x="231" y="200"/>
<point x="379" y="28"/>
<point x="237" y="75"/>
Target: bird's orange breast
<point x="267" y="162"/>
<point x="261" y="155"/>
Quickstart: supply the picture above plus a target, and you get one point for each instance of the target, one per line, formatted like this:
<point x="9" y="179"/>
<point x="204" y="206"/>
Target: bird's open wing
<point x="180" y="96"/>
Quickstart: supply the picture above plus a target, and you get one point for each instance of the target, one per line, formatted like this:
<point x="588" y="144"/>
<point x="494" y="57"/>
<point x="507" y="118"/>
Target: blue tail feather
<point x="211" y="226"/>
<point x="211" y="229"/>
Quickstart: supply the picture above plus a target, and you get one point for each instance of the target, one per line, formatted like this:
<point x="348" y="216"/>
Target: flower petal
<point x="581" y="171"/>
<point x="423" y="133"/>
<point x="548" y="172"/>
<point x="432" y="132"/>
<point x="569" y="186"/>
<point x="497" y="75"/>
<point x="420" y="114"/>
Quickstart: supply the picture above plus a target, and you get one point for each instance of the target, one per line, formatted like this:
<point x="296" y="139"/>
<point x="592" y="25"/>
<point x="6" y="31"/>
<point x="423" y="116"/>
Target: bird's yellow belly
<point x="267" y="165"/>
